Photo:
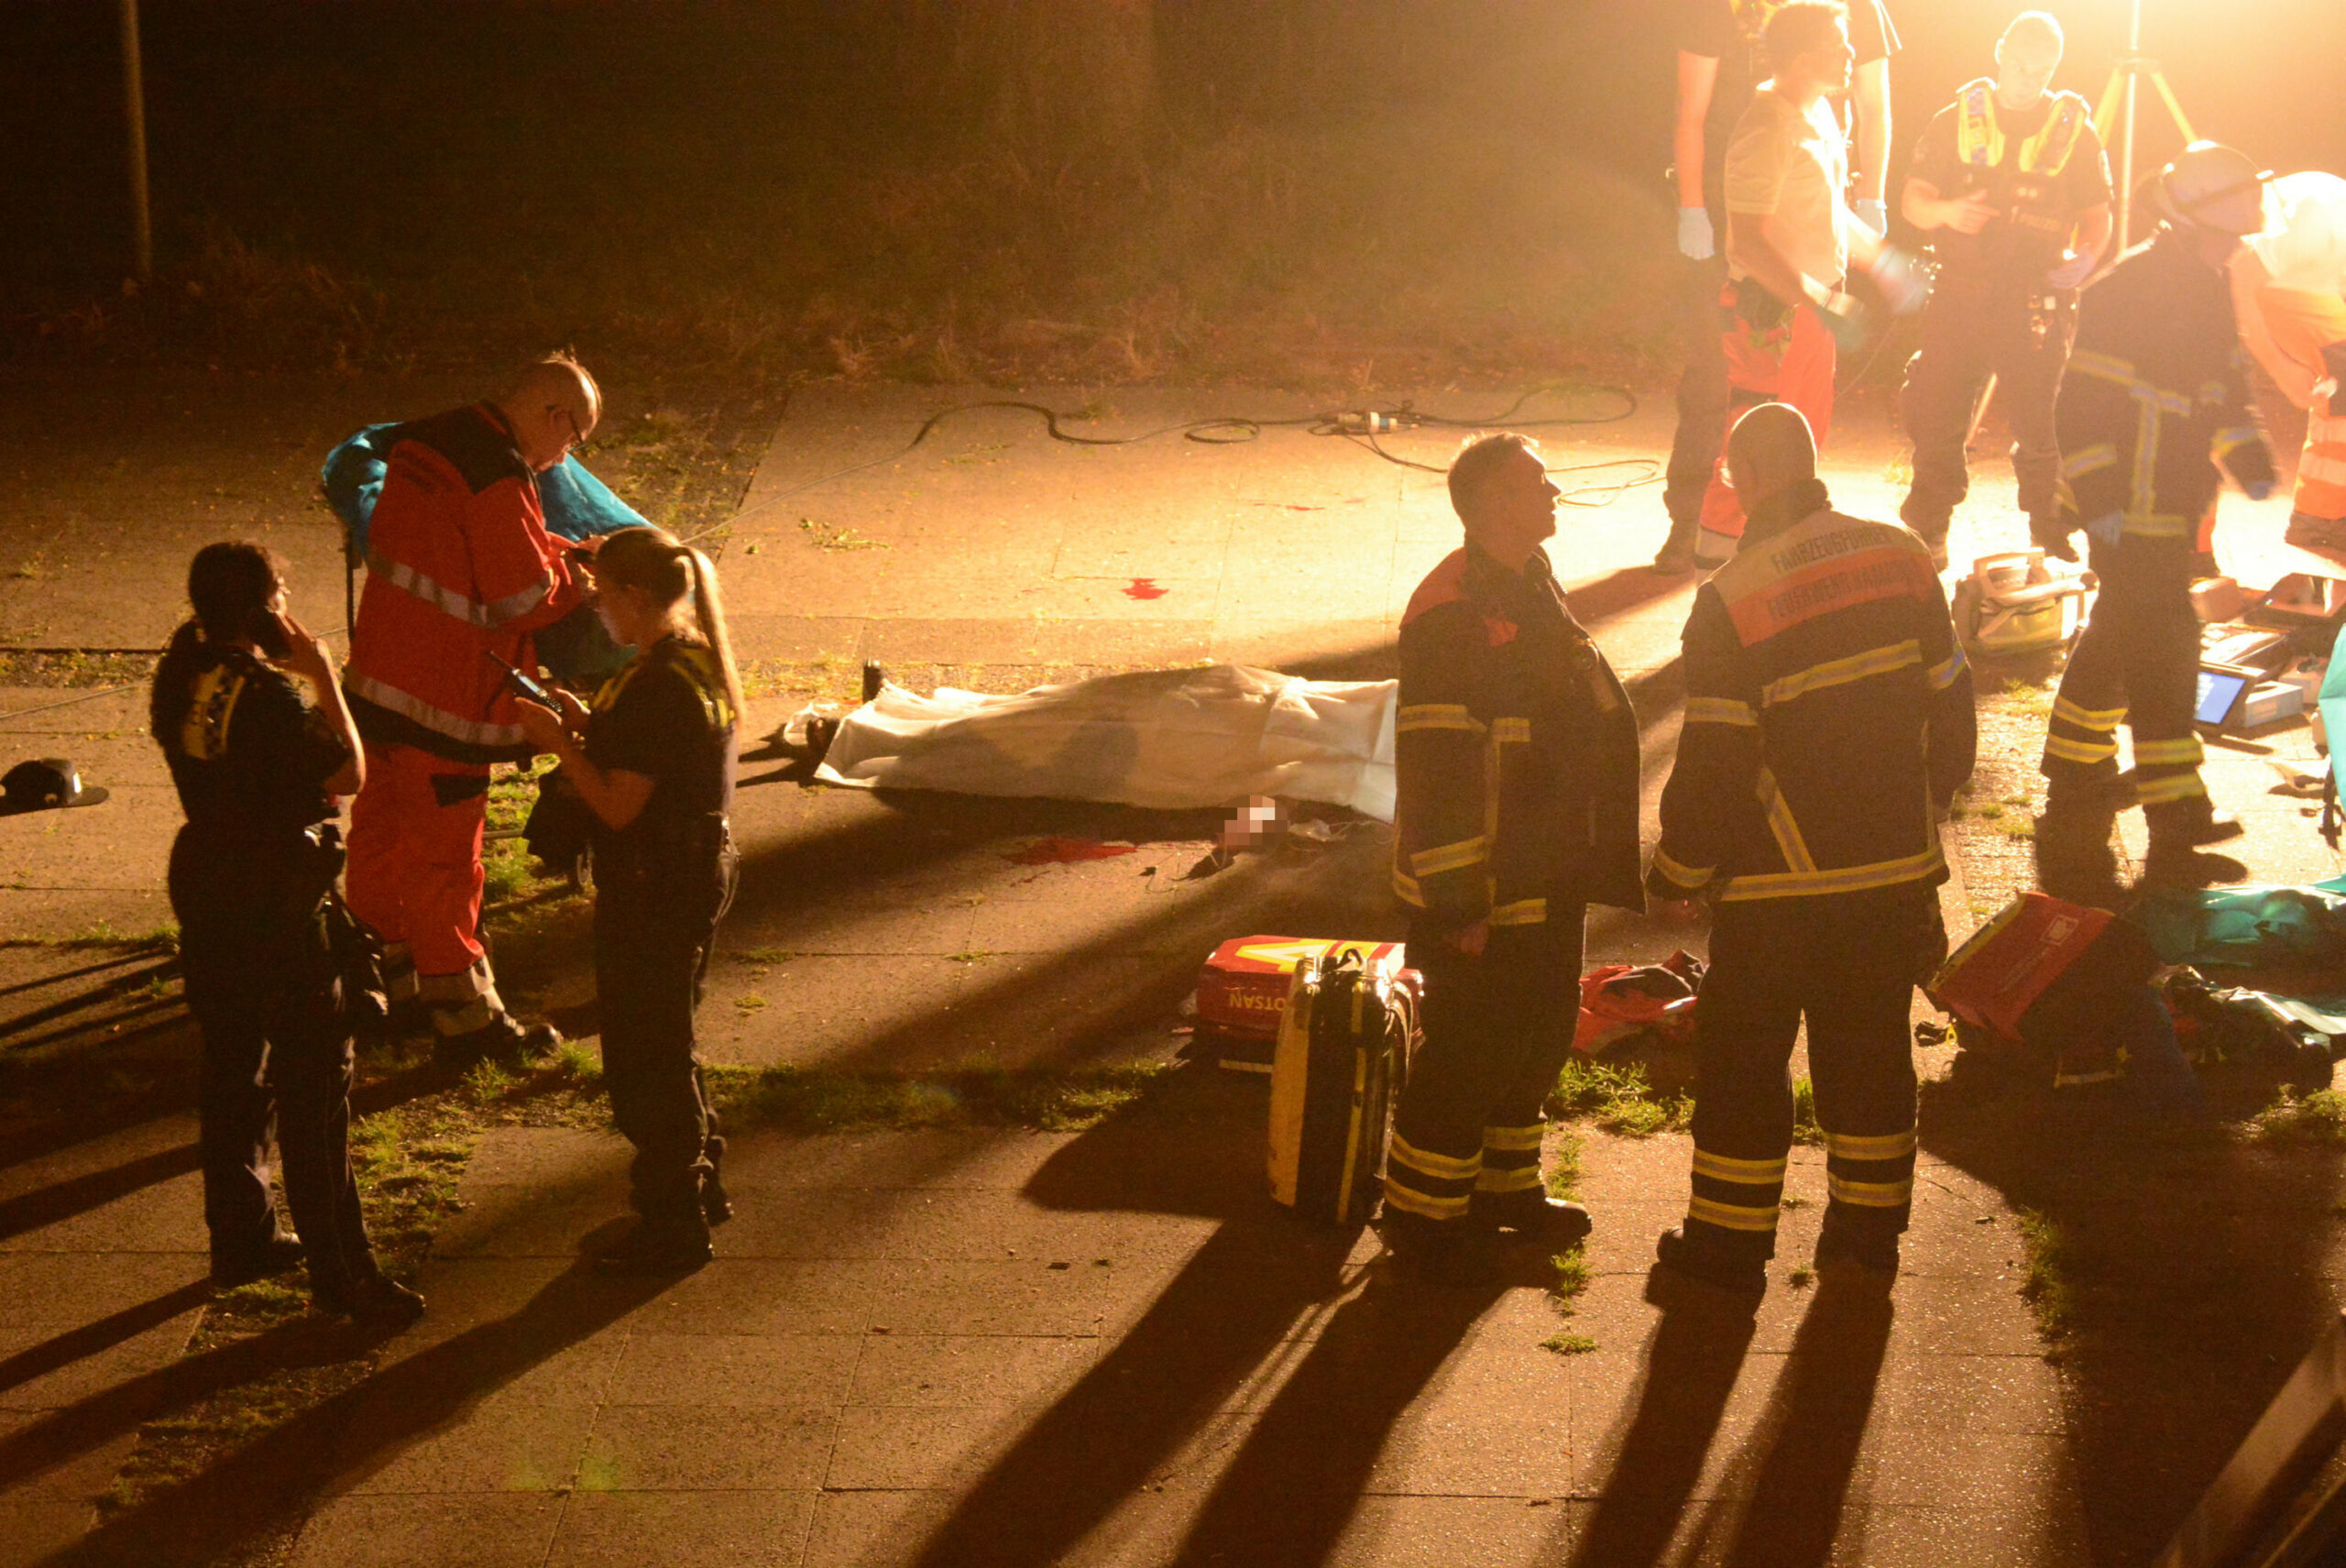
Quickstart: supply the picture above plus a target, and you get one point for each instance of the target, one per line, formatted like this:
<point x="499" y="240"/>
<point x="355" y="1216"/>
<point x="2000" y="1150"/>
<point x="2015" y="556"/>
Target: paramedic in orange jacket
<point x="459" y="567"/>
<point x="2289" y="292"/>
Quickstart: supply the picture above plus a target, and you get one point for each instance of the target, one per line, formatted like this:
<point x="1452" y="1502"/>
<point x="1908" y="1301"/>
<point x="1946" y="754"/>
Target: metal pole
<point x="2126" y="158"/>
<point x="134" y="105"/>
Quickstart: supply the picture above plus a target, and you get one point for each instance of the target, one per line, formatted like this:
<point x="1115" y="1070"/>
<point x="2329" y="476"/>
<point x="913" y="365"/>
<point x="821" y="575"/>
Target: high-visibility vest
<point x="1980" y="139"/>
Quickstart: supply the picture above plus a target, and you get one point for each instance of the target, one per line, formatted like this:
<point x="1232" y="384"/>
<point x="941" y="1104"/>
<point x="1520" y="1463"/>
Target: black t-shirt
<point x="666" y="715"/>
<point x="1728" y="31"/>
<point x="2037" y="212"/>
<point x="249" y="755"/>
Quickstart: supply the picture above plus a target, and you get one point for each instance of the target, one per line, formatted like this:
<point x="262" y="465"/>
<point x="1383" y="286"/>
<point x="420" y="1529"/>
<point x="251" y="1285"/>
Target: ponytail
<point x="710" y="611"/>
<point x="167" y="702"/>
<point x="230" y="585"/>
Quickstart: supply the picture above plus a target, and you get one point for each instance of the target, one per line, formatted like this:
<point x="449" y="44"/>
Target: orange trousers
<point x="2303" y="325"/>
<point x="414" y="872"/>
<point x="1791" y="361"/>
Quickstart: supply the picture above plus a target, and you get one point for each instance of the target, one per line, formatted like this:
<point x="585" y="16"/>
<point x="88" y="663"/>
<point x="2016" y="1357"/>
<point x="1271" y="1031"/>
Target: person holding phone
<point x="654" y="759"/>
<point x="258" y="770"/>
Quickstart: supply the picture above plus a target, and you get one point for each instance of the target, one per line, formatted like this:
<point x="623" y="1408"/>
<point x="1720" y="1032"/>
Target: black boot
<point x="1841" y="1244"/>
<point x="1531" y="1216"/>
<point x="372" y="1301"/>
<point x="1698" y="1258"/>
<point x="504" y="1039"/>
<point x="281" y="1251"/>
<point x="1452" y="1253"/>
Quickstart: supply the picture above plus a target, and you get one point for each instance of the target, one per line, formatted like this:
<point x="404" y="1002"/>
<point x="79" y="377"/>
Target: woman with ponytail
<point x="654" y="761"/>
<point x="252" y="877"/>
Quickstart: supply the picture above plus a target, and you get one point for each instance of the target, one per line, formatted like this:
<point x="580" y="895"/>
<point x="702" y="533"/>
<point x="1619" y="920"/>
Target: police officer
<point x="1828" y="726"/>
<point x="2011" y="182"/>
<point x="2157" y="396"/>
<point x="1516" y="754"/>
<point x="251" y="881"/>
<point x="654" y="761"/>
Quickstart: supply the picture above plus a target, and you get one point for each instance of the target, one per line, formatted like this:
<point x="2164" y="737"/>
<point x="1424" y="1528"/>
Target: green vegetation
<point x="164" y="939"/>
<point x="1804" y="1127"/>
<point x="1564" y="1171"/>
<point x="808" y="1100"/>
<point x="1800" y="1278"/>
<point x="1568" y="1344"/>
<point x="1570" y="1277"/>
<point x="2046" y="1287"/>
<point x="2316" y="1118"/>
<point x="1619" y="1099"/>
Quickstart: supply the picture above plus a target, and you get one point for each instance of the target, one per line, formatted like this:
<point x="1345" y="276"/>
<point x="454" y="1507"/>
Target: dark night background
<point x="936" y="189"/>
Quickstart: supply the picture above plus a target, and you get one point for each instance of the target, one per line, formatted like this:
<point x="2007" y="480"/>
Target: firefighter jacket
<point x="2157" y="396"/>
<point x="1828" y="715"/>
<point x="1515" y="748"/>
<point x="459" y="565"/>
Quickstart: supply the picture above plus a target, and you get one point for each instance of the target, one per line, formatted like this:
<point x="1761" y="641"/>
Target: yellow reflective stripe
<point x="1435" y="716"/>
<point x="2088" y="717"/>
<point x="1869" y="1146"/>
<point x="1522" y="912"/>
<point x="2160" y="525"/>
<point x="2068" y="1079"/>
<point x="2104" y="367"/>
<point x="1869" y="1194"/>
<point x="1450" y="857"/>
<point x="1426" y="1204"/>
<point x="1782" y="823"/>
<point x="1732" y="1216"/>
<point x="1943" y="674"/>
<point x="1841" y="672"/>
<point x="1838" y="879"/>
<point x="2231" y="439"/>
<point x="2177" y="786"/>
<point x="204" y="734"/>
<point x="1511" y="732"/>
<point x="2168" y="753"/>
<point x="1406" y="887"/>
<point x="1514" y="1138"/>
<point x="1517" y="1179"/>
<point x="2089" y="459"/>
<point x="2069" y="751"/>
<point x="1683" y="876"/>
<point x="1750" y="1172"/>
<point x="1440" y="1167"/>
<point x="1720" y="710"/>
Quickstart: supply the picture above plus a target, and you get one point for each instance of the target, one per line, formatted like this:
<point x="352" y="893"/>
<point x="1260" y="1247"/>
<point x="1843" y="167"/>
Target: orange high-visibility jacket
<point x="459" y="564"/>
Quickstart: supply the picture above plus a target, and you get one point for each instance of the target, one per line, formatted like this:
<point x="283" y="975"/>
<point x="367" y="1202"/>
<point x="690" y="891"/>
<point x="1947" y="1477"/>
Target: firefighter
<point x="1790" y="237"/>
<point x="2011" y="182"/>
<point x="1719" y="65"/>
<point x="1828" y="726"/>
<point x="258" y="769"/>
<point x="459" y="568"/>
<point x="1516" y="754"/>
<point x="2157" y="396"/>
<point x="654" y="761"/>
<point x="2289" y="292"/>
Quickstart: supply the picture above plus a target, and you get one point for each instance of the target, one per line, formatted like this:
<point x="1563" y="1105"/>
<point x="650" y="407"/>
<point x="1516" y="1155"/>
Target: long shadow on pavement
<point x="2192" y="1272"/>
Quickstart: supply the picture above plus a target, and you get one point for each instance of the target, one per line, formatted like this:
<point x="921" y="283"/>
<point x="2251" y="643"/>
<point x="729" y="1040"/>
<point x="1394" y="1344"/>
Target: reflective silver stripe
<point x="513" y="606"/>
<point x="409" y="706"/>
<point x="447" y="601"/>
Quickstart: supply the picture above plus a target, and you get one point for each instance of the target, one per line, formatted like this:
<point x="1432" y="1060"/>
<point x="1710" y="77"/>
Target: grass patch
<point x="1572" y="1275"/>
<point x="1800" y="1278"/>
<point x="2316" y="1118"/>
<point x="1619" y="1099"/>
<point x="2046" y="1287"/>
<point x="164" y="939"/>
<point x="1562" y="1177"/>
<point x="800" y="1100"/>
<point x="1568" y="1344"/>
<point x="1806" y="1129"/>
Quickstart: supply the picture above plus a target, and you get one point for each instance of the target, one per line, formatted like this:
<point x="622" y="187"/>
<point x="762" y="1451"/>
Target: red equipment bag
<point x="1618" y="1001"/>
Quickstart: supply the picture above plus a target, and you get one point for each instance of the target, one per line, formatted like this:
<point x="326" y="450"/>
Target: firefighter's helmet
<point x="2215" y="187"/>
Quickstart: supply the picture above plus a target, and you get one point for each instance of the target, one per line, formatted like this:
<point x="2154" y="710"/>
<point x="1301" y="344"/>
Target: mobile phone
<point x="521" y="685"/>
<point x="269" y="635"/>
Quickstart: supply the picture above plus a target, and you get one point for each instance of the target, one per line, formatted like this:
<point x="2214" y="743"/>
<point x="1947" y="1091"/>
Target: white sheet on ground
<point x="1163" y="739"/>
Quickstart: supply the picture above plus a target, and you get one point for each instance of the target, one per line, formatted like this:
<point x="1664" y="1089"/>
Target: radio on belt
<point x="1242" y="990"/>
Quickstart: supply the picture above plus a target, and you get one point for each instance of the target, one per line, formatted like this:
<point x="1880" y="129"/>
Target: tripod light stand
<point x="2118" y="106"/>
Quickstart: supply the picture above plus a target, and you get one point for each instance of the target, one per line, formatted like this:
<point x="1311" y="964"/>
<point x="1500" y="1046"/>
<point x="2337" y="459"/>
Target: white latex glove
<point x="2076" y="265"/>
<point x="1906" y="288"/>
<point x="1875" y="215"/>
<point x="1695" y="242"/>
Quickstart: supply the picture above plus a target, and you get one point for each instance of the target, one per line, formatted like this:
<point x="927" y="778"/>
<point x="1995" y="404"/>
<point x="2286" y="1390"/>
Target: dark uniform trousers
<point x="2138" y="661"/>
<point x="1497" y="1029"/>
<point x="653" y="931"/>
<point x="1848" y="964"/>
<point x="1967" y="334"/>
<point x="262" y="981"/>
<point x="1703" y="390"/>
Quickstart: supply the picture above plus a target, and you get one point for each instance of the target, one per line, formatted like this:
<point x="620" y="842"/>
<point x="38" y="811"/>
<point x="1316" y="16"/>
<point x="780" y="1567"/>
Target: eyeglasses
<point x="578" y="442"/>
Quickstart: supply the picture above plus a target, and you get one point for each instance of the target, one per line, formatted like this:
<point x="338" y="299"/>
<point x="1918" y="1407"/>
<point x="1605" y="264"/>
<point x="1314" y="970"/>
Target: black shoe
<point x="282" y="1252"/>
<point x="504" y="1039"/>
<point x="1840" y="1247"/>
<point x="2070" y="799"/>
<point x="652" y="1250"/>
<point x="374" y="1301"/>
<point x="2169" y="869"/>
<point x="1532" y="1215"/>
<point x="1711" y="1265"/>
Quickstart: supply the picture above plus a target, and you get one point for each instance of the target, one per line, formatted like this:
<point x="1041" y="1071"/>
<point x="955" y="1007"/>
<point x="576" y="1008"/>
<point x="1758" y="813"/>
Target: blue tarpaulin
<point x="577" y="503"/>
